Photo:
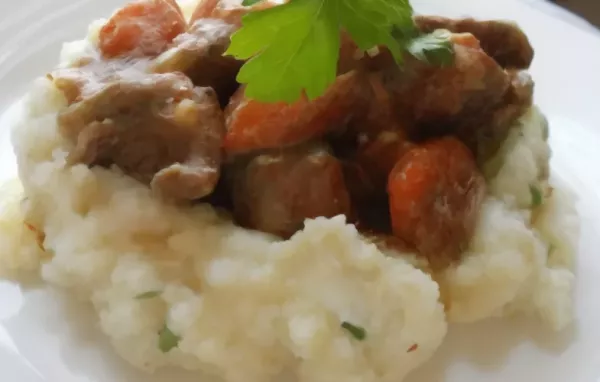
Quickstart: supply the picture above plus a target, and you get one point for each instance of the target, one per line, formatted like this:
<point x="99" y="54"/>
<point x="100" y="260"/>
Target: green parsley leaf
<point x="434" y="48"/>
<point x="537" y="198"/>
<point x="371" y="23"/>
<point x="249" y="3"/>
<point x="167" y="340"/>
<point x="293" y="49"/>
<point x="356" y="331"/>
<point x="148" y="295"/>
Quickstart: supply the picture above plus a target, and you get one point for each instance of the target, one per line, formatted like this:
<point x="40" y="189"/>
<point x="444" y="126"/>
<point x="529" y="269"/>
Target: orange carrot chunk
<point x="435" y="192"/>
<point x="142" y="28"/>
<point x="253" y="125"/>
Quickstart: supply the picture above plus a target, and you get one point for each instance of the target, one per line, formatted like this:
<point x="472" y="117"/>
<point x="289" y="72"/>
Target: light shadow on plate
<point x="488" y="345"/>
<point x="74" y="349"/>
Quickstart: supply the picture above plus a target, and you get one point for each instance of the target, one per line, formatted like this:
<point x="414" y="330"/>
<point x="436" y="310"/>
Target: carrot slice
<point x="435" y="192"/>
<point x="253" y="125"/>
<point x="144" y="27"/>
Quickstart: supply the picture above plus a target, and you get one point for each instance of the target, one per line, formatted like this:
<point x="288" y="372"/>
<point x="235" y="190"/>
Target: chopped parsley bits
<point x="167" y="340"/>
<point x="148" y="295"/>
<point x="537" y="198"/>
<point x="356" y="331"/>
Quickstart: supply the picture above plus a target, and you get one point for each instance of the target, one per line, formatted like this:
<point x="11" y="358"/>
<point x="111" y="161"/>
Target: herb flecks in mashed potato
<point x="245" y="305"/>
<point x="148" y="295"/>
<point x="167" y="340"/>
<point x="357" y="332"/>
<point x="537" y="197"/>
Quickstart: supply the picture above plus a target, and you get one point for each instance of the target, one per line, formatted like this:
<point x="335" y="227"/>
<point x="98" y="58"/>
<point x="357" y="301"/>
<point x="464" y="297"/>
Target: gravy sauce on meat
<point x="398" y="151"/>
<point x="198" y="53"/>
<point x="159" y="129"/>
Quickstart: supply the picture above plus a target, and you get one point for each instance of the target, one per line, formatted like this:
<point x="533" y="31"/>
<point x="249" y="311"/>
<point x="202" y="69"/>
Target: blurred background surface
<point x="588" y="9"/>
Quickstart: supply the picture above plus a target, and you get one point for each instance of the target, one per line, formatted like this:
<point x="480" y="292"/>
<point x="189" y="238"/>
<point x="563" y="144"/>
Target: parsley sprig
<point x="293" y="48"/>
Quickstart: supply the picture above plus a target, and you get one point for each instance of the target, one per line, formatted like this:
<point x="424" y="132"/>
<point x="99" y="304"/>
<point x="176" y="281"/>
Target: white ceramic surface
<point x="45" y="337"/>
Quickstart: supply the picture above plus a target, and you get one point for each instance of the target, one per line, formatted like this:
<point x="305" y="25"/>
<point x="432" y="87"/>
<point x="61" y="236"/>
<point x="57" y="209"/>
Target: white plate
<point x="44" y="337"/>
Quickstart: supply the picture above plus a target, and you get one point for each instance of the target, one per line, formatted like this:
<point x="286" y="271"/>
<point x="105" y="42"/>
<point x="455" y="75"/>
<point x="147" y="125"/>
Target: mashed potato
<point x="245" y="307"/>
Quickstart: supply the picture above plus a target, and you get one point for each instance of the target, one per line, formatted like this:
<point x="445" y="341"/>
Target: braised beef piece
<point x="504" y="41"/>
<point x="275" y="192"/>
<point x="158" y="128"/>
<point x="374" y="112"/>
<point x="88" y="75"/>
<point x="198" y="54"/>
<point x="429" y="101"/>
<point x="437" y="98"/>
<point x="485" y="134"/>
<point x="463" y="99"/>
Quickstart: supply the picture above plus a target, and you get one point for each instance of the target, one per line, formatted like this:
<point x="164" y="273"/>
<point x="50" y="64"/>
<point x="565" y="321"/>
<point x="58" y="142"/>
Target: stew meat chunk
<point x="503" y="41"/>
<point x="437" y="98"/>
<point x="464" y="99"/>
<point x="276" y="191"/>
<point x="159" y="129"/>
<point x="485" y="134"/>
<point x="198" y="53"/>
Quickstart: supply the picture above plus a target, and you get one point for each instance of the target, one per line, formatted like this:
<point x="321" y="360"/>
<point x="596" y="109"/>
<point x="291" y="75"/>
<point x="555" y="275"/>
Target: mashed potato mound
<point x="246" y="307"/>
